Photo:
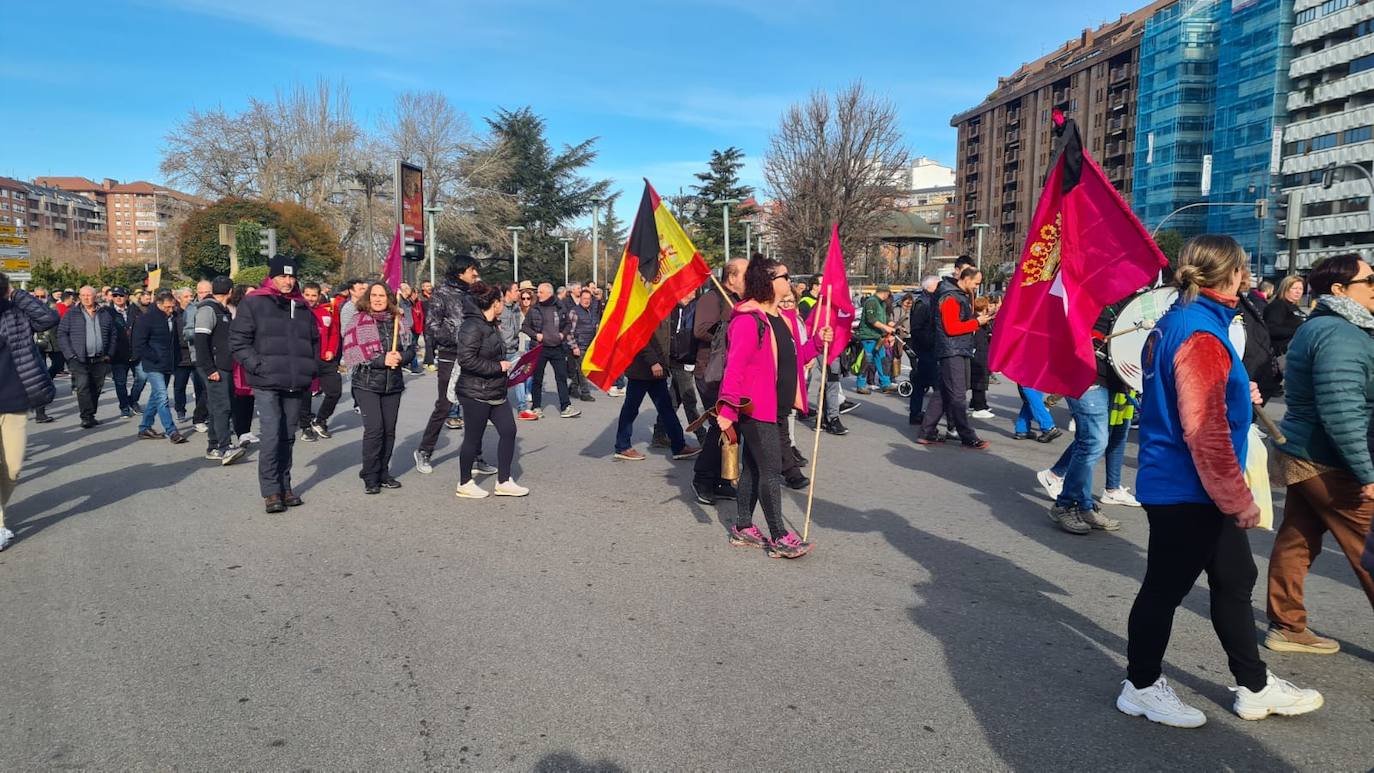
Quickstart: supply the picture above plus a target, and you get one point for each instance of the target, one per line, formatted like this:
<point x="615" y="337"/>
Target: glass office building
<point x="1251" y="107"/>
<point x="1178" y="68"/>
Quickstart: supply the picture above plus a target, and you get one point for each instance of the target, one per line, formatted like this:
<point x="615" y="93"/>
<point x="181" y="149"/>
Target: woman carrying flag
<point x="763" y="382"/>
<point x="376" y="344"/>
<point x="1193" y="431"/>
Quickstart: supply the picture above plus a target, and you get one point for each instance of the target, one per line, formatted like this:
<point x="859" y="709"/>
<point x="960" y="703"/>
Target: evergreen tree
<point x="612" y="229"/>
<point x="546" y="186"/>
<point x="720" y="181"/>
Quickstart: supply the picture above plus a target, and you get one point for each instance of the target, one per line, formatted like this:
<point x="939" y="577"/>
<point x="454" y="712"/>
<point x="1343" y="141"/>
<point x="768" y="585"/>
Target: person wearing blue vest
<point x="1194" y="422"/>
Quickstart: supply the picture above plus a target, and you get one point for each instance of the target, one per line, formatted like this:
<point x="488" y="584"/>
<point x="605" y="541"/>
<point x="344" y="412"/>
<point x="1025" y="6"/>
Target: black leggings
<point x="379" y="433"/>
<point x="1186" y="540"/>
<point x="759" y="479"/>
<point x="243" y="413"/>
<point x="475" y="416"/>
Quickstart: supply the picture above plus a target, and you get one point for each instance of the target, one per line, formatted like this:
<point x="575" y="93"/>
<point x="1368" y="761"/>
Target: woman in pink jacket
<point x="763" y="382"/>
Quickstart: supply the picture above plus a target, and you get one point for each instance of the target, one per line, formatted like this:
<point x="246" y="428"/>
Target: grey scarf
<point x="1348" y="310"/>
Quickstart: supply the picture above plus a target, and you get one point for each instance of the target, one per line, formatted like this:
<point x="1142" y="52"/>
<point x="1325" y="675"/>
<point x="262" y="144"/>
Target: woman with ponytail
<point x="1195" y="417"/>
<point x="763" y="382"/>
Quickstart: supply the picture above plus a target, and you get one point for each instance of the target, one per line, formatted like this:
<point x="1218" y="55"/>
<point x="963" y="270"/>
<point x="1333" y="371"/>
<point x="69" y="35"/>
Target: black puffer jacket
<point x="276" y="339"/>
<point x="480" y="351"/>
<point x="547" y="319"/>
<point x="449" y="306"/>
<point x="124" y="329"/>
<point x="154" y="341"/>
<point x="375" y="376"/>
<point x="71" y="333"/>
<point x="21" y="317"/>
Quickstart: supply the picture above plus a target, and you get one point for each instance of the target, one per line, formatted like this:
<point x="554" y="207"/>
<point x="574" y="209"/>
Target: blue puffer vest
<point x="1167" y="475"/>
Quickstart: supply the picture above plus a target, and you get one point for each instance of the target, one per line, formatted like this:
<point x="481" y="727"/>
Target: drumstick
<point x="1145" y="324"/>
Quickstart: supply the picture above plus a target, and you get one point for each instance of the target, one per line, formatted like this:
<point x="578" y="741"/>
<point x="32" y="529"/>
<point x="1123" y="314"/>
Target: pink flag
<point x="834" y="307"/>
<point x="391" y="270"/>
<point x="1085" y="251"/>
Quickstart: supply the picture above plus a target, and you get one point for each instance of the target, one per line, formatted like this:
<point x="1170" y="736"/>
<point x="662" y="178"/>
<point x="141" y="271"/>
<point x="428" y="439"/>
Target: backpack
<point x="922" y="321"/>
<point x="682" y="347"/>
<point x="720" y="345"/>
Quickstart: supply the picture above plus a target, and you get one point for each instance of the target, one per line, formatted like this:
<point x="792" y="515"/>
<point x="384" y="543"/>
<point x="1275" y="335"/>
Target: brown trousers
<point x="1329" y="502"/>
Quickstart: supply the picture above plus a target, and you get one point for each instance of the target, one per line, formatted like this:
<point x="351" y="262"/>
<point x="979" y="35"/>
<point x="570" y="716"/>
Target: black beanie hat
<point x="281" y="264"/>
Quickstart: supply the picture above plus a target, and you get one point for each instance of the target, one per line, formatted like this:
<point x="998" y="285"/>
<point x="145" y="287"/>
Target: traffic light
<point x="267" y="242"/>
<point x="410" y="249"/>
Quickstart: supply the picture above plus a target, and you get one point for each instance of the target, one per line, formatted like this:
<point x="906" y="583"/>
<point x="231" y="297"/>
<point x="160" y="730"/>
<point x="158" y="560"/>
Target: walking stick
<point x="816" y="443"/>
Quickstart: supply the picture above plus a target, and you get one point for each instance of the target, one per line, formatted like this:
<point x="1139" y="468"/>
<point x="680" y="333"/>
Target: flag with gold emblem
<point x="658" y="268"/>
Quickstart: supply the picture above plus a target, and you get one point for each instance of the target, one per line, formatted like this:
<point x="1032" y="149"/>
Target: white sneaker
<point x="1119" y="496"/>
<point x="982" y="414"/>
<point x="6" y="537"/>
<point x="1051" y="483"/>
<point x="201" y="427"/>
<point x="616" y="391"/>
<point x="471" y="490"/>
<point x="570" y="413"/>
<point x="246" y="438"/>
<point x="1158" y="703"/>
<point x="1278" y="697"/>
<point x="509" y="488"/>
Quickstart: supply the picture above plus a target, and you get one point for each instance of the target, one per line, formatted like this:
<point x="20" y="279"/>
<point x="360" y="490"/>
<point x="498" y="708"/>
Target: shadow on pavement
<point x="567" y="762"/>
<point x="1038" y="676"/>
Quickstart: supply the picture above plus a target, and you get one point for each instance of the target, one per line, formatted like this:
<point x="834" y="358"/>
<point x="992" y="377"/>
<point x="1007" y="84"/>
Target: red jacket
<point x="417" y="318"/>
<point x="327" y="320"/>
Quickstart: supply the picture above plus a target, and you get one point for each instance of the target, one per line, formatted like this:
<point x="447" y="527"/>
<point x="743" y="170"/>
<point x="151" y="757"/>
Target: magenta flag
<point x="391" y="269"/>
<point x="523" y="368"/>
<point x="1085" y="251"/>
<point x="834" y="306"/>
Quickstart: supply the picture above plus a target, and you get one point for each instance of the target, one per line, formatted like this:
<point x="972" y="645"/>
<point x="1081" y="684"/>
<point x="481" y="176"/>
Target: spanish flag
<point x="659" y="267"/>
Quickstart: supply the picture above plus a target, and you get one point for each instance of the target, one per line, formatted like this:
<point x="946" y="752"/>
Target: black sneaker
<point x="705" y="492"/>
<point x="798" y="482"/>
<point x="726" y="490"/>
<point x="176" y="438"/>
<point x="835" y="427"/>
<point x="42" y="417"/>
<point x="1024" y="436"/>
<point x="587" y="398"/>
<point x="372" y="488"/>
<point x="847" y="406"/>
<point x="321" y="429"/>
<point x="391" y="483"/>
<point x="1050" y="435"/>
<point x="308" y="435"/>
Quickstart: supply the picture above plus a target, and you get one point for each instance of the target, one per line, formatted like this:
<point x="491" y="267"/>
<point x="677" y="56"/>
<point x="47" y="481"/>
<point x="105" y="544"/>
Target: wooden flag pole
<point x="820" y="415"/>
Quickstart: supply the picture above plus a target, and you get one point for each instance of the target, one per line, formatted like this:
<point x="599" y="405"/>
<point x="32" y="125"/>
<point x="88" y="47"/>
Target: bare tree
<point x="832" y="160"/>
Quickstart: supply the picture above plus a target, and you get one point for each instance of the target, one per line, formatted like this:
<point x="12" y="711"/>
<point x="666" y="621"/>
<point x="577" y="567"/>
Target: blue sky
<point x="92" y="87"/>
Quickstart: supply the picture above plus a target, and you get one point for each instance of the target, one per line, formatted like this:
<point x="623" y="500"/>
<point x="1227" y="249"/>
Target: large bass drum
<point x="1132" y="328"/>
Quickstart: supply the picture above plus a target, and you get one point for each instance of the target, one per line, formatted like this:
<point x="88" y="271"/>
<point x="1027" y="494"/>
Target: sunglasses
<point x="783" y="275"/>
<point x="1369" y="280"/>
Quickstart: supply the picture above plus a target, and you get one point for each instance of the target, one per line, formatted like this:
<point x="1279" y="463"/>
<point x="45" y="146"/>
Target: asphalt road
<point x="155" y="617"/>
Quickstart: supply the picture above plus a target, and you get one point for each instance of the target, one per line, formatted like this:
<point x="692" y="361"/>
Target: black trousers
<point x="88" y="378"/>
<point x="219" y="395"/>
<point x="442" y="405"/>
<point x="788" y="460"/>
<point x="1185" y="541"/>
<point x="476" y="415"/>
<point x="577" y="382"/>
<point x="183" y="374"/>
<point x="57" y="362"/>
<point x="951" y="400"/>
<point x="558" y="358"/>
<point x="706" y="470"/>
<point x="760" y="476"/>
<point x="379" y="433"/>
<point x="280" y="413"/>
<point x="243" y="413"/>
<point x="925" y="376"/>
<point x="331" y="387"/>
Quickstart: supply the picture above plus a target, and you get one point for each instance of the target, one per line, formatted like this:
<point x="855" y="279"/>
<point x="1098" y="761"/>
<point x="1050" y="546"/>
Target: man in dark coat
<point x="275" y="338"/>
<point x="546" y="324"/>
<point x="24" y="383"/>
<point x="123" y="363"/>
<point x="87" y="338"/>
<point x="648" y="375"/>
<point x="155" y="346"/>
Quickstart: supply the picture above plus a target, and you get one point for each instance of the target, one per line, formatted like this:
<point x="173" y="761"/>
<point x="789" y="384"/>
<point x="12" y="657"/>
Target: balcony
<point x="1012" y="157"/>
<point x="973" y="131"/>
<point x="1014" y="116"/>
<point x="1008" y="217"/>
<point x="1116" y="149"/>
<point x="1117" y="125"/>
<point x="1009" y="177"/>
<point x="1013" y="136"/>
<point x="1119" y="74"/>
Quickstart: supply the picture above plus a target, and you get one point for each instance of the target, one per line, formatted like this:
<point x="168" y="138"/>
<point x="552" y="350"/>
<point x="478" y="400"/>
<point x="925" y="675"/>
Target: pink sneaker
<point x="789" y="546"/>
<point x="748" y="538"/>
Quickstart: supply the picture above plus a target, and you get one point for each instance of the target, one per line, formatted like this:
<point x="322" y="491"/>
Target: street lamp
<point x="726" y="203"/>
<point x="980" y="228"/>
<point x="430" y="214"/>
<point x="1329" y="179"/>
<point x="596" y="215"/>
<point x="566" y="241"/>
<point x="515" y="251"/>
<point x="748" y="238"/>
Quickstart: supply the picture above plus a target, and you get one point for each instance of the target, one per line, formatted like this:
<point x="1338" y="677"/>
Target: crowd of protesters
<point x="738" y="361"/>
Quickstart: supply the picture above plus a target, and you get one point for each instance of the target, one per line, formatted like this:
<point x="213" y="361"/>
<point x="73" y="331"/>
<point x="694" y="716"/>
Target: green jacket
<point x="1329" y="388"/>
<point x="874" y="310"/>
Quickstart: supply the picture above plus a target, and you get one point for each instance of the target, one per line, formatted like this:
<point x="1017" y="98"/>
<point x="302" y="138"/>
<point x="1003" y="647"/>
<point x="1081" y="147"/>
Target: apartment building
<point x="1331" y="124"/>
<point x="1004" y="144"/>
<point x="136" y="212"/>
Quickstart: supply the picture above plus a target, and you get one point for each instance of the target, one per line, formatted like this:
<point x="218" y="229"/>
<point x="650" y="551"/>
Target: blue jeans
<point x="119" y="372"/>
<point x="1116" y="452"/>
<point x="657" y="390"/>
<point x="875" y="356"/>
<point x="1076" y="464"/>
<point x="1033" y="407"/>
<point x="157" y="404"/>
